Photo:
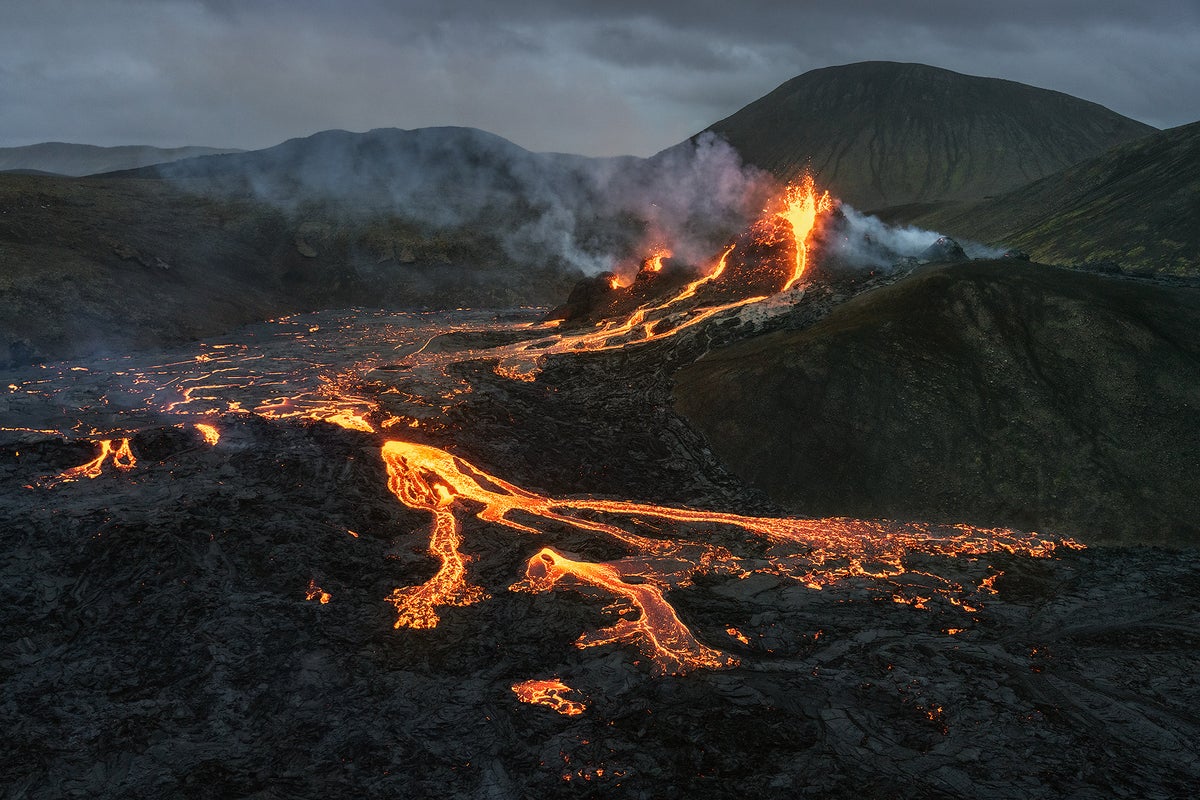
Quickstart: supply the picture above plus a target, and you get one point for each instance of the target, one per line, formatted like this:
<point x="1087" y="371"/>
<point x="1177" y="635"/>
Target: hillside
<point x="996" y="393"/>
<point x="101" y="265"/>
<point x="1136" y="206"/>
<point x="882" y="134"/>
<point x="75" y="160"/>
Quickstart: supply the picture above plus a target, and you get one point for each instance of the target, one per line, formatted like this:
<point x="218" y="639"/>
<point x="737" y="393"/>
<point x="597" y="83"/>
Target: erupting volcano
<point x="498" y="497"/>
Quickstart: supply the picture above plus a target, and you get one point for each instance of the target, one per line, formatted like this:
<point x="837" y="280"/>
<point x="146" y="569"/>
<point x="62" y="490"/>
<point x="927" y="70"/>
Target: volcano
<point x="479" y="554"/>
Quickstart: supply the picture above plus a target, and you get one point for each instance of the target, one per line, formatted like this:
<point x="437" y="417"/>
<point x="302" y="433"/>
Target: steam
<point x="862" y="241"/>
<point x="542" y="209"/>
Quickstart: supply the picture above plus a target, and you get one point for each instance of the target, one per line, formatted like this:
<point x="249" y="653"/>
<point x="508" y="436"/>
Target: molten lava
<point x="813" y="552"/>
<point x="417" y="487"/>
<point x="657" y="630"/>
<point x="654" y="262"/>
<point x="802" y="205"/>
<point x="119" y="455"/>
<point x="210" y="433"/>
<point x="551" y="693"/>
<point x="314" y="592"/>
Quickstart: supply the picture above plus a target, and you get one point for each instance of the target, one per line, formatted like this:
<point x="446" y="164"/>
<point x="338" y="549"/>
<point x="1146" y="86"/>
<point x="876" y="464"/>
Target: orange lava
<point x="118" y="454"/>
<point x="551" y="693"/>
<point x="314" y="592"/>
<point x="209" y="432"/>
<point x="654" y="262"/>
<point x="657" y="631"/>
<point x="802" y="205"/>
<point x="417" y="487"/>
<point x="813" y="552"/>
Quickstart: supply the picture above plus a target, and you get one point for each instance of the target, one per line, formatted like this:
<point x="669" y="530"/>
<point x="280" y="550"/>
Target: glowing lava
<point x="417" y="487"/>
<point x="802" y="204"/>
<point x="210" y="433"/>
<point x="314" y="592"/>
<point x="654" y="262"/>
<point x="550" y="692"/>
<point x="813" y="552"/>
<point x="657" y="630"/>
<point x="118" y="454"/>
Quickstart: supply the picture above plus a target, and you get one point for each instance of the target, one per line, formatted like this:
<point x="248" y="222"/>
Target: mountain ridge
<point x="883" y="133"/>
<point x="78" y="160"/>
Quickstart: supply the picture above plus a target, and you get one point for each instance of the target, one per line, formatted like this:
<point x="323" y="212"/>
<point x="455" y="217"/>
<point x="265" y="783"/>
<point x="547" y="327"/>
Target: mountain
<point x="1136" y="206"/>
<point x="999" y="392"/>
<point x="881" y="133"/>
<point x="60" y="158"/>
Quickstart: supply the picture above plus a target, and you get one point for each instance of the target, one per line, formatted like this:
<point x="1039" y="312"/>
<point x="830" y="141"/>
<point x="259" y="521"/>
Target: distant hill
<point x="574" y="210"/>
<point x="882" y="133"/>
<point x="439" y="217"/>
<point x="75" y="160"/>
<point x="1136" y="207"/>
<point x="998" y="393"/>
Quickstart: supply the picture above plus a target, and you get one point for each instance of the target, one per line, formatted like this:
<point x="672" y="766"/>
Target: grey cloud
<point x="599" y="77"/>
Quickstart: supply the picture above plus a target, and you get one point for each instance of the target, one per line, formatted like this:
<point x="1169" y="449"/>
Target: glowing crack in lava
<point x="813" y="552"/>
<point x="549" y="692"/>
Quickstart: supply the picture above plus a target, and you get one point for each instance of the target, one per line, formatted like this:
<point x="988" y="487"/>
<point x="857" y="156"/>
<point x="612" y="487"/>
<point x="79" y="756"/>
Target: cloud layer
<point x="600" y="78"/>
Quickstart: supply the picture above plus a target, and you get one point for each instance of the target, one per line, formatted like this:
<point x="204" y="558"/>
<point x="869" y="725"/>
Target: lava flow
<point x="813" y="552"/>
<point x="549" y="692"/>
<point x="802" y="205"/>
<point x="119" y="455"/>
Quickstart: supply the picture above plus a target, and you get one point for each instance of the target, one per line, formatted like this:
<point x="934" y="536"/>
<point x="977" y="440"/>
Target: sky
<point x="598" y="78"/>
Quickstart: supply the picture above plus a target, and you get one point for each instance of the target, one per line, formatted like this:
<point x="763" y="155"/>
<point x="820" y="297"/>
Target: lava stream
<point x="657" y="631"/>
<point x="118" y="454"/>
<point x="814" y="552"/>
<point x="549" y="692"/>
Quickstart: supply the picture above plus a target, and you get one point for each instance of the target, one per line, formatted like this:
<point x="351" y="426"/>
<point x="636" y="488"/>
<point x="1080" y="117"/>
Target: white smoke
<point x="863" y="241"/>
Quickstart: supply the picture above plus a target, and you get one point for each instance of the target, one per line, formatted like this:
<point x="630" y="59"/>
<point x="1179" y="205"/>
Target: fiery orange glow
<point x="209" y="432"/>
<point x="119" y="455"/>
<point x="417" y="487"/>
<point x="551" y="693"/>
<point x="802" y="205"/>
<point x="314" y="592"/>
<point x="657" y="631"/>
<point x="813" y="552"/>
<point x="654" y="262"/>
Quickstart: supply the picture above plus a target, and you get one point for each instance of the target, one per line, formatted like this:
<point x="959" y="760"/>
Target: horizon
<point x="213" y="73"/>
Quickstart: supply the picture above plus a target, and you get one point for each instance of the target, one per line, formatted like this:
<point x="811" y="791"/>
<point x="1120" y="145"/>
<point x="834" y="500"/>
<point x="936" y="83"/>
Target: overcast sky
<point x="599" y="78"/>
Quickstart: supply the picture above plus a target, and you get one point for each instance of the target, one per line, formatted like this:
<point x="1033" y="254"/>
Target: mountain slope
<point x="883" y="133"/>
<point x="76" y="160"/>
<point x="997" y="393"/>
<point x="1136" y="206"/>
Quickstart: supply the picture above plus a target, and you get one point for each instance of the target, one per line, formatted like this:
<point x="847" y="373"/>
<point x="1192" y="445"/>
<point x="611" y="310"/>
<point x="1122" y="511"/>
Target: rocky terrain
<point x="1019" y="393"/>
<point x="214" y="621"/>
<point x="881" y="134"/>
<point x="99" y="265"/>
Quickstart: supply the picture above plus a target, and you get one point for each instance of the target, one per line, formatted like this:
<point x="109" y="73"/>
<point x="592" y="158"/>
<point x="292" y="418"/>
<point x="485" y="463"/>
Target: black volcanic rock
<point x="997" y="392"/>
<point x="882" y="134"/>
<point x="944" y="249"/>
